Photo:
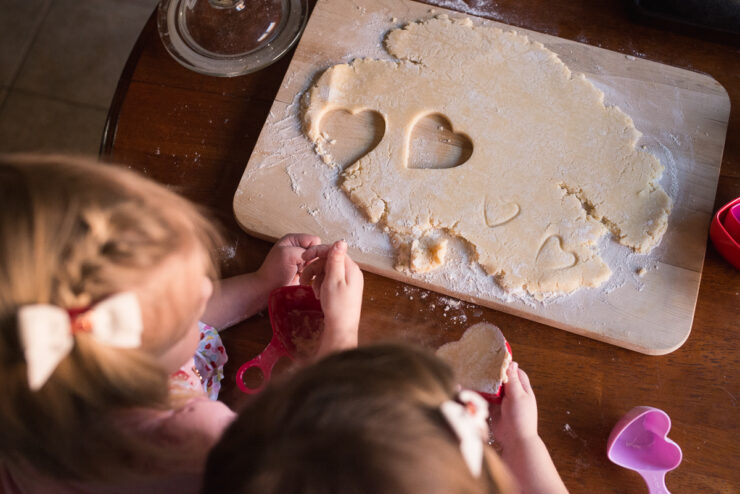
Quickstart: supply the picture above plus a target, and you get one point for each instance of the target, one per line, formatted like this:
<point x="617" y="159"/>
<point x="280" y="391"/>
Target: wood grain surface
<point x="682" y="115"/>
<point x="196" y="133"/>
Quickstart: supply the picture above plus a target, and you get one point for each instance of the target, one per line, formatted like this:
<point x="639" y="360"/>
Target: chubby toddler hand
<point x="515" y="420"/>
<point x="285" y="261"/>
<point x="337" y="281"/>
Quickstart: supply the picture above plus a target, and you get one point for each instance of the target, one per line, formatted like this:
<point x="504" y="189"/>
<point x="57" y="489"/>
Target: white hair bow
<point x="468" y="418"/>
<point x="47" y="331"/>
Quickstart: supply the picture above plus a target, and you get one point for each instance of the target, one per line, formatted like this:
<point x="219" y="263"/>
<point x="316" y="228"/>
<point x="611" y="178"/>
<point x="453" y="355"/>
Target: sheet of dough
<point x="552" y="169"/>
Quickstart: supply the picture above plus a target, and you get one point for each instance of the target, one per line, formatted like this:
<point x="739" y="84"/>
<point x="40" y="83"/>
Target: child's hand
<point x="337" y="281"/>
<point x="242" y="296"/>
<point x="515" y="421"/>
<point x="284" y="262"/>
<point x="515" y="428"/>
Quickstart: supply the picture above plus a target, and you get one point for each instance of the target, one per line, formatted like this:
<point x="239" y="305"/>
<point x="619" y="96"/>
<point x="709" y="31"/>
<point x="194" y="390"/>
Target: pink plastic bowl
<point x="732" y="221"/>
<point x="725" y="232"/>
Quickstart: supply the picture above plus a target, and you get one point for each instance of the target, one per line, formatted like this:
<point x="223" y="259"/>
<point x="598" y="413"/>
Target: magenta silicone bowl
<point x="639" y="441"/>
<point x="725" y="232"/>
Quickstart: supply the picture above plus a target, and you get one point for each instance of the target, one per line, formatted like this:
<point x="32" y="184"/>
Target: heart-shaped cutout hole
<point x="350" y="136"/>
<point x="433" y="144"/>
<point x="552" y="256"/>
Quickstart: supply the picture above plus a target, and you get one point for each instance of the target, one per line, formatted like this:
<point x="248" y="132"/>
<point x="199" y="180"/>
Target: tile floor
<point x="60" y="61"/>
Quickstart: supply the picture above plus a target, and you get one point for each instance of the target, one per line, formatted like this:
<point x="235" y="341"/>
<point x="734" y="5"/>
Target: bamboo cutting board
<point x="647" y="305"/>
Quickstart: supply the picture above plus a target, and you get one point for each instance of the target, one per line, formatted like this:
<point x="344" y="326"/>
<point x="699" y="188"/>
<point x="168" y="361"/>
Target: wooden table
<point x="195" y="134"/>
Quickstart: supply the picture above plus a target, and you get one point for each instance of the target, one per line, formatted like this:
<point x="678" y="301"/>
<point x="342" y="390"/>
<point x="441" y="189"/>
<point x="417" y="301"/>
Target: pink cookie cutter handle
<point x="265" y="362"/>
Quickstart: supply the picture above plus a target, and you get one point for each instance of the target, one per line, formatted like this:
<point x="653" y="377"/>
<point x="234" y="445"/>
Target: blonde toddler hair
<point x="73" y="232"/>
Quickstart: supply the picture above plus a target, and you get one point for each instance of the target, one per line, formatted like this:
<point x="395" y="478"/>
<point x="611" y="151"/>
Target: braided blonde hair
<point x="72" y="232"/>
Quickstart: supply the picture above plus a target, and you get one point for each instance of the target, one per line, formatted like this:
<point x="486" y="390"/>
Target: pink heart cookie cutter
<point x="639" y="441"/>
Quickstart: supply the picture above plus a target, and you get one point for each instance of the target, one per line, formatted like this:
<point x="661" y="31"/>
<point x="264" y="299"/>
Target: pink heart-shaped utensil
<point x="639" y="441"/>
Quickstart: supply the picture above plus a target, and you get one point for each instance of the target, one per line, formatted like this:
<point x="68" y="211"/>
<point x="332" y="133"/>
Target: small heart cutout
<point x="434" y="145"/>
<point x="498" y="213"/>
<point x="350" y="136"/>
<point x="552" y="256"/>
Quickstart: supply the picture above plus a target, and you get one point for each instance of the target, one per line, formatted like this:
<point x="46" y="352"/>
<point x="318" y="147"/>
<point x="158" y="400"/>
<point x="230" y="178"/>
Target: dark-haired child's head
<point x="362" y="421"/>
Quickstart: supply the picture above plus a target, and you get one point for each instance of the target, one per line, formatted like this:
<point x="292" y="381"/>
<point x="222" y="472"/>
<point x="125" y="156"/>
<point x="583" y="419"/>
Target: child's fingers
<point x="524" y="379"/>
<point x="302" y="240"/>
<point x="316" y="284"/>
<point x="311" y="271"/>
<point x="354" y="273"/>
<point x="294" y="255"/>
<point x="316" y="251"/>
<point x="514" y="387"/>
<point x="335" y="270"/>
<point x="291" y="256"/>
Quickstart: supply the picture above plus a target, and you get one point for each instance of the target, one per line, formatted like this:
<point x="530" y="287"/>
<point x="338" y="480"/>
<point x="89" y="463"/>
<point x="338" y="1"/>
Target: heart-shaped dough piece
<point x="480" y="358"/>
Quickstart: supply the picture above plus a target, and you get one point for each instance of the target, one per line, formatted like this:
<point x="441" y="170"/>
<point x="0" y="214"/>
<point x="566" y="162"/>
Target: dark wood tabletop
<point x="195" y="133"/>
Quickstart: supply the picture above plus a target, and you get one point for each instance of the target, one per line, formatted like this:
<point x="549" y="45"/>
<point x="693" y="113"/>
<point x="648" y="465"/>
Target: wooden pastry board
<point x="683" y="117"/>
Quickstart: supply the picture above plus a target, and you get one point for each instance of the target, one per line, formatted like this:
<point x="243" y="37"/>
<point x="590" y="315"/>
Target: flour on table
<point x="479" y="359"/>
<point x="552" y="169"/>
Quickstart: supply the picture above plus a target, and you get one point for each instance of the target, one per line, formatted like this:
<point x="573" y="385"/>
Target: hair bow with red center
<point x="47" y="331"/>
<point x="467" y="416"/>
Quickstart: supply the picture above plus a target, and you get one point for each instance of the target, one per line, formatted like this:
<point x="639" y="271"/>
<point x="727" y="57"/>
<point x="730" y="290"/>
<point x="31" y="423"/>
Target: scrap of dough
<point x="420" y="255"/>
<point x="479" y="359"/>
<point x="552" y="169"/>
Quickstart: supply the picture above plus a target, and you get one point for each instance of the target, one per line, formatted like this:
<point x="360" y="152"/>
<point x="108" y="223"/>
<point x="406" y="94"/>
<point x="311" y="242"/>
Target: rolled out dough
<point x="551" y="171"/>
<point x="479" y="358"/>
